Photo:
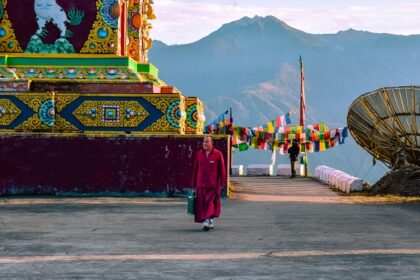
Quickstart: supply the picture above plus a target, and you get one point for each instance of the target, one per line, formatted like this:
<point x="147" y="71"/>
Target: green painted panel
<point x="79" y="61"/>
<point x="3" y="60"/>
<point x="68" y="61"/>
<point x="148" y="68"/>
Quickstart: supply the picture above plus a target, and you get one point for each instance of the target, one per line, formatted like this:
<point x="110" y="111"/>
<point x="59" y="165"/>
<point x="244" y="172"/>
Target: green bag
<point x="191" y="202"/>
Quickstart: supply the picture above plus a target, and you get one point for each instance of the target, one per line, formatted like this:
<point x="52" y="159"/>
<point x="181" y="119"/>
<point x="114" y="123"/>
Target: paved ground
<point x="283" y="189"/>
<point x="302" y="231"/>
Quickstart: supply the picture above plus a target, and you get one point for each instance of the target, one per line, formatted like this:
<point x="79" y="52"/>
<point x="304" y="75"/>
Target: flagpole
<point x="303" y="110"/>
<point x="230" y="137"/>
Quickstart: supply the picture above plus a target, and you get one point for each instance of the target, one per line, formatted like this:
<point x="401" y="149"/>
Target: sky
<point x="183" y="21"/>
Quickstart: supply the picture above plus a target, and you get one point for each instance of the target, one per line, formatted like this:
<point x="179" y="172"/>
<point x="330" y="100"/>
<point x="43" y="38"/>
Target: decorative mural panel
<point x="77" y="40"/>
<point x="98" y="113"/>
<point x="111" y="114"/>
<point x="59" y="26"/>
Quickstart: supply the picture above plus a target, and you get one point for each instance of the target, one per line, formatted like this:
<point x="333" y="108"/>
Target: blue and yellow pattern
<point x="46" y="113"/>
<point x="128" y="114"/>
<point x="98" y="113"/>
<point x="8" y="112"/>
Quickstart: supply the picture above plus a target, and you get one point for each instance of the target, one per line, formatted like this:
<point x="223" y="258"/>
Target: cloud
<point x="185" y="21"/>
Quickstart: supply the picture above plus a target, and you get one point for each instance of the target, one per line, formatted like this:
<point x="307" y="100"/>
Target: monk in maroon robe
<point x="209" y="176"/>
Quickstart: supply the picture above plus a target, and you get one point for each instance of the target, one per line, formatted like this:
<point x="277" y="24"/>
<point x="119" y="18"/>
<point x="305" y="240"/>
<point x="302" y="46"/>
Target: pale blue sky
<point x="182" y="21"/>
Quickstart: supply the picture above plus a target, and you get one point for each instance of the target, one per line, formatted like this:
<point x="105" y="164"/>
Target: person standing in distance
<point x="293" y="152"/>
<point x="208" y="177"/>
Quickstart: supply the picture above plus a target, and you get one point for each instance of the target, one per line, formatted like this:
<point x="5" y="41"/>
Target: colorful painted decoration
<point x="47" y="113"/>
<point x="61" y="45"/>
<point x="111" y="114"/>
<point x="139" y="42"/>
<point x="59" y="26"/>
<point x="8" y="42"/>
<point x="6" y="73"/>
<point x="175" y="114"/>
<point x="8" y="112"/>
<point x="110" y="12"/>
<point x="69" y="93"/>
<point x="192" y="116"/>
<point x="67" y="112"/>
<point x="134" y="21"/>
<point x="71" y="73"/>
<point x="105" y="113"/>
<point x="195" y="118"/>
<point x="50" y="11"/>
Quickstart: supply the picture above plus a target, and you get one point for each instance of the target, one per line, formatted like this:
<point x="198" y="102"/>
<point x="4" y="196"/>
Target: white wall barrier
<point x="237" y="170"/>
<point x="338" y="179"/>
<point x="284" y="169"/>
<point x="259" y="170"/>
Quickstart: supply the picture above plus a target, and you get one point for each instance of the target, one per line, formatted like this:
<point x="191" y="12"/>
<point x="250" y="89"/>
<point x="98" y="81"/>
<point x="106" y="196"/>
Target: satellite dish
<point x="386" y="123"/>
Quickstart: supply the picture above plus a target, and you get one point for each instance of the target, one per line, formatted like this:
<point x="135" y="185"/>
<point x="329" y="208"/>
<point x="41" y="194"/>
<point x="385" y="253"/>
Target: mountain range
<point x="252" y="65"/>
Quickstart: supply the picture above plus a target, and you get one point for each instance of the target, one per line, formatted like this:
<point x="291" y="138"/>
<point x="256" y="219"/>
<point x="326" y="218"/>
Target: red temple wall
<point x="155" y="165"/>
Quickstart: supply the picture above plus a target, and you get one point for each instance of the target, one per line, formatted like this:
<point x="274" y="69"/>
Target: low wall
<point x="79" y="164"/>
<point x="338" y="179"/>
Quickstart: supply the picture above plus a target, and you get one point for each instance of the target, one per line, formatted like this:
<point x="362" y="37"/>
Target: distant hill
<point x="252" y="66"/>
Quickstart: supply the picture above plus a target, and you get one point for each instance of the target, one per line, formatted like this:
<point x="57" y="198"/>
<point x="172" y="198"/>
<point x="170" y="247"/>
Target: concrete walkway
<point x="283" y="238"/>
<point x="283" y="189"/>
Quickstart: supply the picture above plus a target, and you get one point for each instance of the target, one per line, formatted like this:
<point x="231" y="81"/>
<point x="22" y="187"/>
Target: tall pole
<point x="230" y="141"/>
<point x="303" y="110"/>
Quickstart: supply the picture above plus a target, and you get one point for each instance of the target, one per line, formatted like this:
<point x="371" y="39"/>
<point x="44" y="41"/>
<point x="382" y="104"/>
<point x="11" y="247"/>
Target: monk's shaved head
<point x="207" y="143"/>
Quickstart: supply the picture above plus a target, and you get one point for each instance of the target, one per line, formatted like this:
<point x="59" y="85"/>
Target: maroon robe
<point x="209" y="176"/>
